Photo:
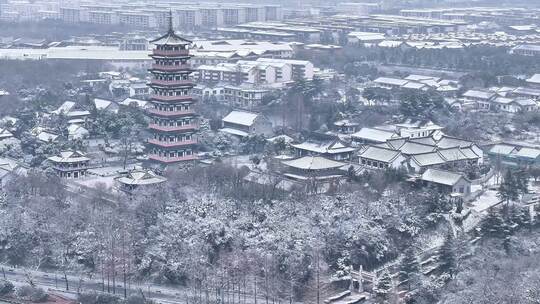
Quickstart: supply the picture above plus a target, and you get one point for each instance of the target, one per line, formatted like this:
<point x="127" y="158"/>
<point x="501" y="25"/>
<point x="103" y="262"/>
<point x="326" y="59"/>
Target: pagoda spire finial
<point x="171" y="29"/>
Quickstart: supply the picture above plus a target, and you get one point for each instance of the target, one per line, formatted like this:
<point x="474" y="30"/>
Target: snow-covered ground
<point x="485" y="201"/>
<point x="239" y="161"/>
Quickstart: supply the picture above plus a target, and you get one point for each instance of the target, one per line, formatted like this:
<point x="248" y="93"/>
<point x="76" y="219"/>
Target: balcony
<point x="168" y="144"/>
<point x="169" y="160"/>
<point x="171" y="68"/>
<point x="172" y="98"/>
<point x="171" y="82"/>
<point x="170" y="53"/>
<point x="170" y="113"/>
<point x="172" y="128"/>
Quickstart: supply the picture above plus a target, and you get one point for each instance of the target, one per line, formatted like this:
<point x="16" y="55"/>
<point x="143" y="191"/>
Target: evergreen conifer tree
<point x="409" y="267"/>
<point x="383" y="287"/>
<point x="448" y="255"/>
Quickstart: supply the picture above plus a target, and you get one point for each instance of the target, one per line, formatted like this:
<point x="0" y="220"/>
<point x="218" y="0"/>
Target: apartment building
<point x="259" y="72"/>
<point x="137" y="19"/>
<point x="229" y="73"/>
<point x="244" y="97"/>
<point x="211" y="17"/>
<point x="280" y="71"/>
<point x="188" y="18"/>
<point x="102" y="17"/>
<point x="70" y="14"/>
<point x="300" y="69"/>
<point x="273" y="13"/>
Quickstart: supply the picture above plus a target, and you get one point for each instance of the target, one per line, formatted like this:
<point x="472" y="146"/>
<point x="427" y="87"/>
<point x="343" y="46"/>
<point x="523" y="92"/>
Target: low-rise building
<point x="139" y="90"/>
<point x="105" y="105"/>
<point x="373" y="135"/>
<point x="243" y="123"/>
<point x="534" y="81"/>
<point x="315" y="172"/>
<point x="374" y="157"/>
<point x="209" y="93"/>
<point x="514" y="105"/>
<point x="417" y="129"/>
<point x="526" y="50"/>
<point x="137" y="178"/>
<point x="44" y="135"/>
<point x="346" y="126"/>
<point x="300" y="69"/>
<point x="524" y="92"/>
<point x="77" y="132"/>
<point x="9" y="169"/>
<point x="70" y="164"/>
<point x="514" y="155"/>
<point x="139" y="103"/>
<point x="417" y="154"/>
<point x="72" y="111"/>
<point x="366" y="39"/>
<point x="503" y="99"/>
<point x="450" y="182"/>
<point x="244" y="97"/>
<point x="482" y="98"/>
<point x="332" y="148"/>
<point x="5" y="134"/>
<point x="389" y="83"/>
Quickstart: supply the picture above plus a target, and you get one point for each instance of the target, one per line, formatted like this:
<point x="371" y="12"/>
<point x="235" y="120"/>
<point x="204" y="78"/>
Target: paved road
<point x="164" y="294"/>
<point x="159" y="293"/>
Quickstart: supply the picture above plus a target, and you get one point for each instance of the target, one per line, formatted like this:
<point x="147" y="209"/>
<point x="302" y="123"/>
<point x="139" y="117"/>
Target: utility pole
<point x="124" y="261"/>
<point x="255" y="289"/>
<point x="351" y="284"/>
<point x="361" y="280"/>
<point x="266" y="277"/>
<point x="318" y="279"/>
<point x="67" y="282"/>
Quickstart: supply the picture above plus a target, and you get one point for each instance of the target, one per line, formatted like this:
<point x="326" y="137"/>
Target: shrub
<point x="31" y="293"/>
<point x="5" y="287"/>
<point x="96" y="298"/>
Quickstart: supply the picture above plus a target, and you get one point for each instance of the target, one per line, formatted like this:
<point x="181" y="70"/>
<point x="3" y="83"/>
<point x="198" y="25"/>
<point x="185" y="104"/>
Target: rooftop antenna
<point x="171" y="29"/>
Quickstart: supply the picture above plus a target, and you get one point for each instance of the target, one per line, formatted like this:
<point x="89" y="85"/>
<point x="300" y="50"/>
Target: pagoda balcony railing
<point x="171" y="113"/>
<point x="176" y="159"/>
<point x="64" y="168"/>
<point x="170" y="52"/>
<point x="172" y="98"/>
<point x="173" y="128"/>
<point x="172" y="144"/>
<point x="180" y="67"/>
<point x="171" y="82"/>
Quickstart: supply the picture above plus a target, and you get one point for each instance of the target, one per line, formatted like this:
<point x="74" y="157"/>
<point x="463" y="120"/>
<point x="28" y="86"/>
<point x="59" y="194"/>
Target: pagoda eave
<point x="166" y="114"/>
<point x="171" y="145"/>
<point x="170" y="56"/>
<point x="172" y="160"/>
<point x="178" y="129"/>
<point x="172" y="99"/>
<point x="173" y="70"/>
<point x="182" y="85"/>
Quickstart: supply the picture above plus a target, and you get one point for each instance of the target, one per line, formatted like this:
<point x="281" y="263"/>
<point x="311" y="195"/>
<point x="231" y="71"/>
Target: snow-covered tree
<point x="409" y="268"/>
<point x="384" y="287"/>
<point x="448" y="256"/>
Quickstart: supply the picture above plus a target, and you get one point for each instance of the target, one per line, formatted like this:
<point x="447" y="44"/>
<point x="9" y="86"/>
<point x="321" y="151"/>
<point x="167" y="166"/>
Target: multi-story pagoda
<point x="174" y="122"/>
